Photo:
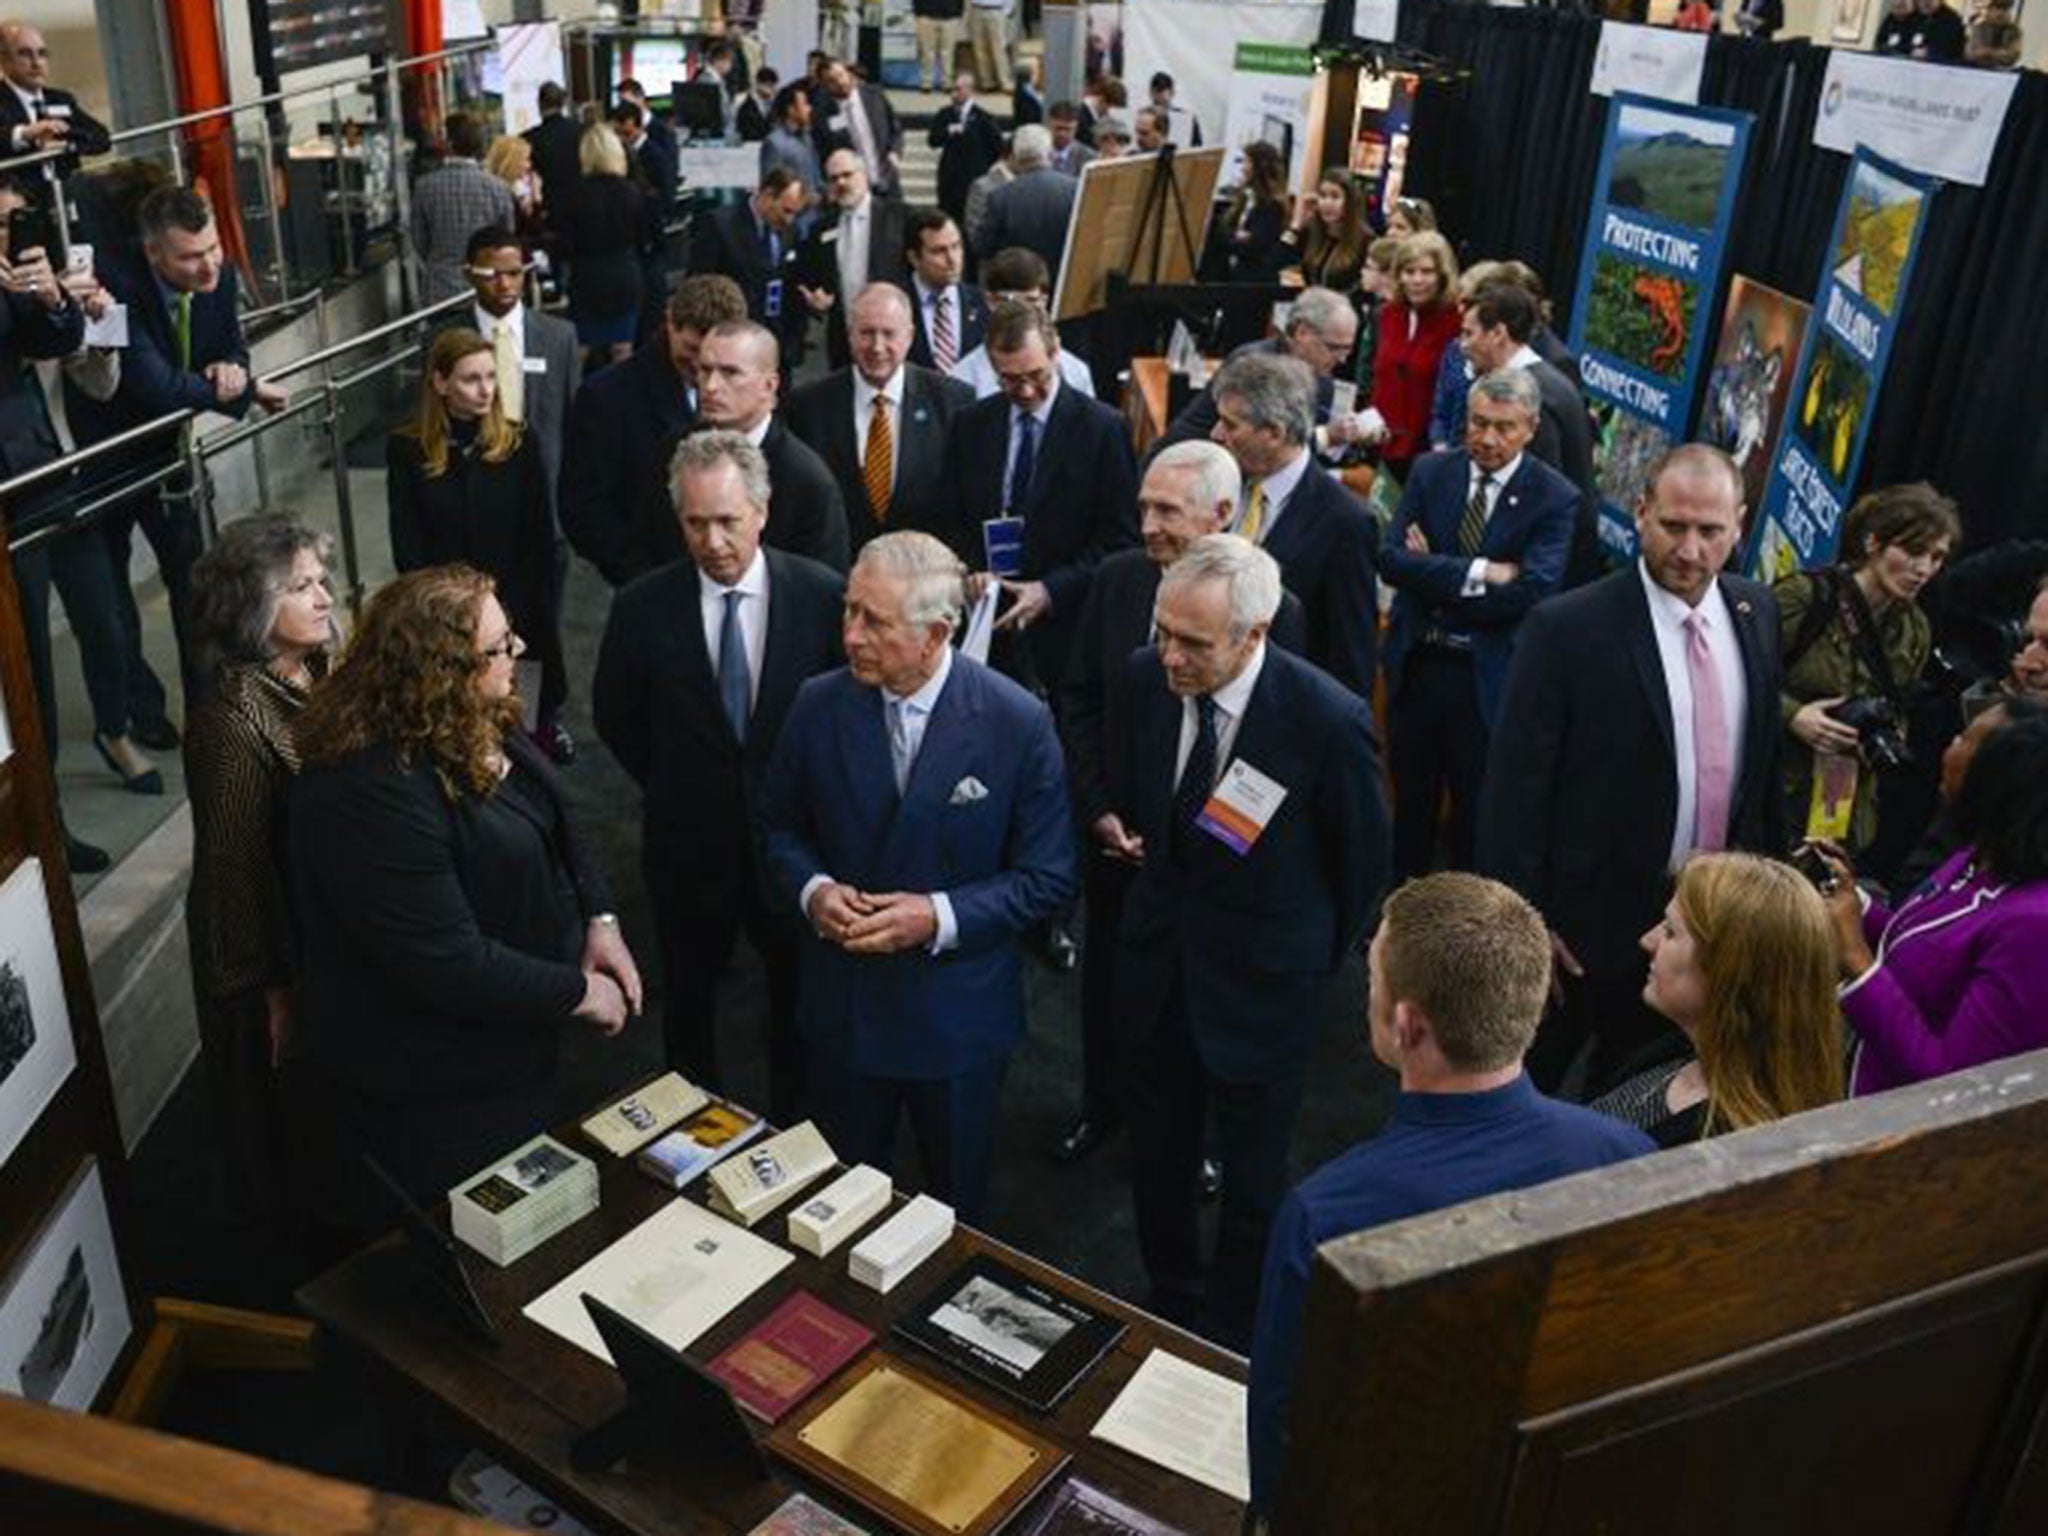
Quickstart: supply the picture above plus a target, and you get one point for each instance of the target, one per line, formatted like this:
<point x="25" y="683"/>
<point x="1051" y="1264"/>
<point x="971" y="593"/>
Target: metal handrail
<point x="15" y="484"/>
<point x="282" y="306"/>
<point x="33" y="157"/>
<point x="351" y="343"/>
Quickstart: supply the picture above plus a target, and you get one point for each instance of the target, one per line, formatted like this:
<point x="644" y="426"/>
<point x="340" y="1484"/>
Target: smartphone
<point x="30" y="229"/>
<point x="78" y="260"/>
<point x="1818" y="871"/>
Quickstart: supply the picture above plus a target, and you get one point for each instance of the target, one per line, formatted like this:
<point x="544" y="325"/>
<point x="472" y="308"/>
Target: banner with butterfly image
<point x="1841" y="366"/>
<point x="1648" y="283"/>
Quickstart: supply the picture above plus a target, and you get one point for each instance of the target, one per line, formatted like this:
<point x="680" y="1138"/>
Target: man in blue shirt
<point x="1459" y="972"/>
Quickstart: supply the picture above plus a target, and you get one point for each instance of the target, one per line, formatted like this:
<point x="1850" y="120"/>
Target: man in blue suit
<point x="185" y="352"/>
<point x="1247" y="785"/>
<point x="915" y="814"/>
<point x="1483" y="535"/>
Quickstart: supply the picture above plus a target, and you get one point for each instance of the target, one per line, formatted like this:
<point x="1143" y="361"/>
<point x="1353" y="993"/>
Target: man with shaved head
<point x="880" y="425"/>
<point x="738" y="375"/>
<point x="35" y="114"/>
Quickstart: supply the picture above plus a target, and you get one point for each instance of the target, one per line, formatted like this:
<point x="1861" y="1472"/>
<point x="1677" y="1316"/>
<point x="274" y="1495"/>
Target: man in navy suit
<point x="1321" y="534"/>
<point x="968" y="140"/>
<point x="1247" y="786"/>
<point x="951" y="316"/>
<point x="1061" y="464"/>
<point x="1035" y="207"/>
<point x="1482" y="536"/>
<point x="185" y="352"/>
<point x="1639" y="724"/>
<point x="755" y="243"/>
<point x="915" y="814"/>
<point x="700" y="663"/>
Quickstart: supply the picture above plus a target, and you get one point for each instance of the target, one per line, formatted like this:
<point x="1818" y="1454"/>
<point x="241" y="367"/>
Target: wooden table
<point x="528" y="1398"/>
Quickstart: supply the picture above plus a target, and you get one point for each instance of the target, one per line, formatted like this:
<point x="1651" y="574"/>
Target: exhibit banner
<point x="527" y="57"/>
<point x="1269" y="92"/>
<point x="1193" y="41"/>
<point x="1649" y="61"/>
<point x="1937" y="119"/>
<point x="1841" y="366"/>
<point x="1762" y="331"/>
<point x="1648" y="280"/>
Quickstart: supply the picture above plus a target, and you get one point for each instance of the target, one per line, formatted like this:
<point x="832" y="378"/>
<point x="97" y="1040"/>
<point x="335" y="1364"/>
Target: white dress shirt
<point x="18" y="140"/>
<point x="1231" y="700"/>
<point x="1475" y="574"/>
<point x="1280" y="486"/>
<point x="855" y="227"/>
<point x="864" y="395"/>
<point x="753" y="585"/>
<point x="1041" y="415"/>
<point x="487" y="323"/>
<point x="1668" y="613"/>
<point x="978" y="373"/>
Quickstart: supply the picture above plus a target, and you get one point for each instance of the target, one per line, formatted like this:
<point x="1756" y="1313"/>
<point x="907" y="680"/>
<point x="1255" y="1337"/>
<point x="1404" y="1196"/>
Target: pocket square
<point x="968" y="790"/>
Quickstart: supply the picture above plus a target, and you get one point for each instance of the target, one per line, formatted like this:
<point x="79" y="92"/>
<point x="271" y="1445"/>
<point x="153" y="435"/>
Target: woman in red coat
<point x="1415" y="327"/>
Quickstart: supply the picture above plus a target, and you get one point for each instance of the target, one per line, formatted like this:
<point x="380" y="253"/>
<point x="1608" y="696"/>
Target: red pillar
<point x="209" y="146"/>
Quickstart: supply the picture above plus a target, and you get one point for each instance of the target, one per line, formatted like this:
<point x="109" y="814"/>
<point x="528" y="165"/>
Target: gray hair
<point x="1216" y="478"/>
<point x="1252" y="574"/>
<point x="704" y="451"/>
<point x="1271" y="392"/>
<point x="1109" y="125"/>
<point x="1319" y="309"/>
<point x="1031" y="147"/>
<point x="239" y="584"/>
<point x="937" y="580"/>
<point x="1508" y="386"/>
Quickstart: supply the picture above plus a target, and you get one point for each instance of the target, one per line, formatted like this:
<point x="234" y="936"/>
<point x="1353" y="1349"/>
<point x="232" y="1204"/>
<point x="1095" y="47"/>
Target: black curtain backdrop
<point x="1965" y="400"/>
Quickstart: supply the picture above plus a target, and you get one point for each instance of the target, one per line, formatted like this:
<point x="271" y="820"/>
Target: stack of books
<point x="509" y="1209"/>
<point x="643" y="1114"/>
<point x="839" y="1210"/>
<point x="707" y="1136"/>
<point x="747" y="1187"/>
<point x="900" y="1244"/>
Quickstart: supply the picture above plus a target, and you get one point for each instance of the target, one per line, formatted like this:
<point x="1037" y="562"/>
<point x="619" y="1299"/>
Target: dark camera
<point x="1883" y="734"/>
<point x="31" y="229"/>
<point x="1818" y="872"/>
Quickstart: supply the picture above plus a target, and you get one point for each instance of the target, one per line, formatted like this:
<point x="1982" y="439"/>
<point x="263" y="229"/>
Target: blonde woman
<point x="510" y="159"/>
<point x="605" y="219"/>
<point x="1743" y="962"/>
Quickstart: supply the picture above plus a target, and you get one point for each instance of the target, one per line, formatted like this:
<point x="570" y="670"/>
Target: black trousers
<point x="1436" y="740"/>
<point x="952" y="1120"/>
<point x="696" y="940"/>
<point x="1106" y="881"/>
<point x="1169" y="1096"/>
<point x="76" y="565"/>
<point x="170" y="522"/>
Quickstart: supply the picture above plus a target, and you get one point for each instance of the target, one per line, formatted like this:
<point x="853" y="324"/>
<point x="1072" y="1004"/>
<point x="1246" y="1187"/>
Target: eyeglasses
<point x="511" y="648"/>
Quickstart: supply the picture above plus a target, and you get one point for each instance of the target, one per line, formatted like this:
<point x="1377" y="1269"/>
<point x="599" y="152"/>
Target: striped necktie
<point x="945" y="350"/>
<point x="878" y="466"/>
<point x="1472" y="526"/>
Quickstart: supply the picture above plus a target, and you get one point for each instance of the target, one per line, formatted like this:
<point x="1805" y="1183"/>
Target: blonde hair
<point x="497" y="434"/>
<point x="510" y="157"/>
<point x="1427" y="245"/>
<point x="1474" y="956"/>
<point x="1770" y="1038"/>
<point x="599" y="152"/>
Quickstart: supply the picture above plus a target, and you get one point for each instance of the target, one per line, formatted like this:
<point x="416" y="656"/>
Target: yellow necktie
<point x="1254" y="521"/>
<point x="511" y="362"/>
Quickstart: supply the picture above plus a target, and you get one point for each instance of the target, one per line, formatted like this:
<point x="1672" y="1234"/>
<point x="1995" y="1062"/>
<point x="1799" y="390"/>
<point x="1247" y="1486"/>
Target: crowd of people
<point x="1605" y="879"/>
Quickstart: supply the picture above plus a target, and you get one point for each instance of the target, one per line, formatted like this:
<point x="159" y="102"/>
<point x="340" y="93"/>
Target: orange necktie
<point x="878" y="467"/>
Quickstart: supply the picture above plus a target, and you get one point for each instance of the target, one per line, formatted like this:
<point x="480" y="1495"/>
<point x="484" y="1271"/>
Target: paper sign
<point x="1649" y="61"/>
<point x="1244" y="802"/>
<point x="1936" y="119"/>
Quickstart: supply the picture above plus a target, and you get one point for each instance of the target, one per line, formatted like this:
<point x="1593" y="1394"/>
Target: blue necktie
<point x="899" y="742"/>
<point x="1198" y="777"/>
<point x="735" y="680"/>
<point x="1026" y="461"/>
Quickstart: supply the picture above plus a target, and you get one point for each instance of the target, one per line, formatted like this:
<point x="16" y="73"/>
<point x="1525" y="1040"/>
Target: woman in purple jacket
<point x="1959" y="973"/>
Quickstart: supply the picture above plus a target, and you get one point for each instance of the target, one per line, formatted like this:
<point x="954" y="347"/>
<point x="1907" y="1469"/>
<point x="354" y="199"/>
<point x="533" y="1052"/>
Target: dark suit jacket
<point x="970" y="318"/>
<point x="728" y="241"/>
<point x="1531" y="526"/>
<point x="1566" y="433"/>
<point x="618" y="425"/>
<point x="655" y="704"/>
<point x="1250" y="939"/>
<point x="966" y="150"/>
<point x="831" y="132"/>
<point x="1004" y="858"/>
<point x="1033" y="211"/>
<point x="1115" y="621"/>
<point x="1325" y="542"/>
<point x="1581" y="780"/>
<point x="88" y="135"/>
<point x="751" y="120"/>
<point x="1197" y="419"/>
<point x="438" y="943"/>
<point x="818" y="265"/>
<point x="555" y="141"/>
<point x="806" y="514"/>
<point x="152" y="383"/>
<point x="662" y="158"/>
<point x="821" y="413"/>
<point x="1080" y="506"/>
<point x="27" y="439"/>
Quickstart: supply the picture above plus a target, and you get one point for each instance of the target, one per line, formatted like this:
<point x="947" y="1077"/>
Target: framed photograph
<point x="36" y="1049"/>
<point x="63" y="1314"/>
<point x="1000" y="1327"/>
<point x="1849" y="21"/>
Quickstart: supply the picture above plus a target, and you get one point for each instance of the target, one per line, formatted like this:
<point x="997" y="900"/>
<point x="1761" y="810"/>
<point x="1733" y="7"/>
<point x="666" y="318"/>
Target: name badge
<point x="533" y="365"/>
<point x="1244" y="802"/>
<point x="56" y="108"/>
<point x="1002" y="539"/>
<point x="829" y="237"/>
<point x="771" y="299"/>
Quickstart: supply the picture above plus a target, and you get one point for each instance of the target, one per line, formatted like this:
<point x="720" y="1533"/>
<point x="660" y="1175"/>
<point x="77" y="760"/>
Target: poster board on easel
<point x="1144" y="216"/>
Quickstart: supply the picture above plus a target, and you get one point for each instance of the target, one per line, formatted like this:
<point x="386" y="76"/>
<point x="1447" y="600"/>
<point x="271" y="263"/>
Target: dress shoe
<point x="137" y="780"/>
<point x="1082" y="1137"/>
<point x="85" y="859"/>
<point x="157" y="735"/>
<point x="1212" y="1179"/>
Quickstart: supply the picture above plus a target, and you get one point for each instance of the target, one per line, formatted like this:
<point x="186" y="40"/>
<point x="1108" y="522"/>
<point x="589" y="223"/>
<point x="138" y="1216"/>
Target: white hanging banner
<point x="1937" y="119"/>
<point x="1269" y="96"/>
<point x="1649" y="61"/>
<point x="1194" y="41"/>
<point x="1375" y="20"/>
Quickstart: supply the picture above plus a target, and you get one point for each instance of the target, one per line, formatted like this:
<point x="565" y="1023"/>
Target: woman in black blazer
<point x="466" y="484"/>
<point x="449" y="917"/>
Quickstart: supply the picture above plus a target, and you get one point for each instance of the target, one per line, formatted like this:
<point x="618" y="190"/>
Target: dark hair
<point x="918" y="223"/>
<point x="631" y="87"/>
<point x="237" y="586"/>
<point x="786" y="98"/>
<point x="552" y="97"/>
<point x="706" y="299"/>
<point x="173" y="207"/>
<point x="1012" y="323"/>
<point x="2002" y="808"/>
<point x="779" y="180"/>
<point x="767" y="74"/>
<point x="1509" y="305"/>
<point x="1265" y="173"/>
<point x="492" y="237"/>
<point x="1162" y="81"/>
<point x="1016" y="269"/>
<point x="1914" y="516"/>
<point x="465" y="135"/>
<point x="628" y="112"/>
<point x="719" y="50"/>
<point x="1063" y="111"/>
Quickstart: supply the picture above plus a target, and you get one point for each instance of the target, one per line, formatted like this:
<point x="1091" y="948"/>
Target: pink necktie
<point x="1713" y="772"/>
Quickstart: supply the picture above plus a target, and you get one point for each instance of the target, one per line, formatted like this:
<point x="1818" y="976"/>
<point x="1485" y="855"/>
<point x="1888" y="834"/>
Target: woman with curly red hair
<point x="449" y="917"/>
